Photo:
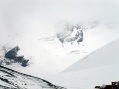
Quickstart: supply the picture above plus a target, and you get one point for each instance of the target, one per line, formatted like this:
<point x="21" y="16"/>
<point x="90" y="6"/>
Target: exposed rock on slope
<point x="10" y="79"/>
<point x="70" y="35"/>
<point x="11" y="56"/>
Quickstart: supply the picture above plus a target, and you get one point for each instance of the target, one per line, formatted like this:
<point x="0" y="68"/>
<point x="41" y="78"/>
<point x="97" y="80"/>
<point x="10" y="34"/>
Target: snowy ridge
<point x="15" y="80"/>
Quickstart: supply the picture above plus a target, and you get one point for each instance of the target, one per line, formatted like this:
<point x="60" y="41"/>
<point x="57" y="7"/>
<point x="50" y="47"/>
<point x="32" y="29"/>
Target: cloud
<point x="23" y="14"/>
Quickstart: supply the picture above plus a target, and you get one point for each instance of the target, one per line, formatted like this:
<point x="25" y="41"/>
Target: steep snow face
<point x="107" y="55"/>
<point x="15" y="80"/>
<point x="98" y="68"/>
<point x="93" y="39"/>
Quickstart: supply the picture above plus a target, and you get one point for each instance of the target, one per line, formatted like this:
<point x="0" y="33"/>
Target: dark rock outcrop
<point x="12" y="56"/>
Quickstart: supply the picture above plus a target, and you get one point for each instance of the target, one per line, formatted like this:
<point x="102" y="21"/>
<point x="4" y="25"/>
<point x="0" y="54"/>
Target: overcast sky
<point x="23" y="22"/>
<point x="39" y="15"/>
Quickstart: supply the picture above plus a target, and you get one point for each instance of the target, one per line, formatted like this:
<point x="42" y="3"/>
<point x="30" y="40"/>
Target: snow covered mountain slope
<point x="98" y="68"/>
<point x="11" y="79"/>
<point x="105" y="56"/>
